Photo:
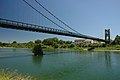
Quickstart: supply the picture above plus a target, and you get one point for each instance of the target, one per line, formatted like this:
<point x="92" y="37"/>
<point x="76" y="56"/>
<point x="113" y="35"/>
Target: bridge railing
<point x="35" y="26"/>
<point x="22" y="25"/>
<point x="11" y="22"/>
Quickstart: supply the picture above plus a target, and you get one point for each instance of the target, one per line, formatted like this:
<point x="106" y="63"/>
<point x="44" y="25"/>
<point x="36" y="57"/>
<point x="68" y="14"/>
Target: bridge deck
<point x="5" y="23"/>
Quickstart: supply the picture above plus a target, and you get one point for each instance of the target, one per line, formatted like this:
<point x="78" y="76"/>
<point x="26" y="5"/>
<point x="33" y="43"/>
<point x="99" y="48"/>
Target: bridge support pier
<point x="107" y="36"/>
<point x="37" y="50"/>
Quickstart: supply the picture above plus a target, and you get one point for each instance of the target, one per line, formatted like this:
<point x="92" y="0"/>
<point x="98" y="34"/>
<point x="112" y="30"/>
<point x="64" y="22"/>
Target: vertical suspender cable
<point x="45" y="16"/>
<point x="55" y="16"/>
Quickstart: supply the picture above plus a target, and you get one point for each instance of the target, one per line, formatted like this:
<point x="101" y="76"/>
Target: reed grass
<point x="6" y="74"/>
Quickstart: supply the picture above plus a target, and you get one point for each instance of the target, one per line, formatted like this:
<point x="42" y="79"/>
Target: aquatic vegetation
<point x="6" y="74"/>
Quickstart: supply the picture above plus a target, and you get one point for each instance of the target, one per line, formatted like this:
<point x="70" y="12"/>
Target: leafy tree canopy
<point x="14" y="42"/>
<point x="117" y="40"/>
<point x="50" y="41"/>
<point x="38" y="41"/>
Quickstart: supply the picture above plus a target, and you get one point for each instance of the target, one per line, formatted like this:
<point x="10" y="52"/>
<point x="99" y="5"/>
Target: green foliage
<point x="61" y="42"/>
<point x="117" y="40"/>
<point x="55" y="45"/>
<point x="38" y="41"/>
<point x="30" y="44"/>
<point x="68" y="42"/>
<point x="0" y="43"/>
<point x="110" y="47"/>
<point x="71" y="46"/>
<point x="37" y="50"/>
<point x="13" y="75"/>
<point x="50" y="41"/>
<point x="14" y="42"/>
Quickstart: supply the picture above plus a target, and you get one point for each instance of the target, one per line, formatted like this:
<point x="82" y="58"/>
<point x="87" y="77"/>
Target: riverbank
<point x="108" y="50"/>
<point x="14" y="47"/>
<point x="13" y="75"/>
<point x="114" y="49"/>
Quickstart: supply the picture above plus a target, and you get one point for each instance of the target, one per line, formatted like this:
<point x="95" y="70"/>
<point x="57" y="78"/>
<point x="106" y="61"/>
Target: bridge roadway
<point x="5" y="23"/>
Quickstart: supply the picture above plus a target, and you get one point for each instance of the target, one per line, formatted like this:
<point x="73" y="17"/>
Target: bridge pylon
<point x="107" y="36"/>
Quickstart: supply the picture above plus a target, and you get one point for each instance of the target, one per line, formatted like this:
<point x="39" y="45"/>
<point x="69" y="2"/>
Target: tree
<point x="61" y="42"/>
<point x="0" y="43"/>
<point x="47" y="42"/>
<point x="14" y="42"/>
<point x="30" y="44"/>
<point x="71" y="46"/>
<point x="38" y="41"/>
<point x="68" y="42"/>
<point x="55" y="45"/>
<point x="37" y="50"/>
<point x="50" y="41"/>
<point x="117" y="40"/>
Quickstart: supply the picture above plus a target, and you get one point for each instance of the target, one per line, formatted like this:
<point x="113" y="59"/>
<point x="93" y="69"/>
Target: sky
<point x="89" y="17"/>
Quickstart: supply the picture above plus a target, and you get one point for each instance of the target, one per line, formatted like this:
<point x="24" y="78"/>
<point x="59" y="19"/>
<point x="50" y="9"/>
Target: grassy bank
<point x="107" y="49"/>
<point x="13" y="75"/>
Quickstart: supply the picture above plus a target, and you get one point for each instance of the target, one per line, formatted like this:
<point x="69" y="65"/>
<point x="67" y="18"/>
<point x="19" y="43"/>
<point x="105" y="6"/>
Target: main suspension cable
<point x="44" y="16"/>
<point x="55" y="16"/>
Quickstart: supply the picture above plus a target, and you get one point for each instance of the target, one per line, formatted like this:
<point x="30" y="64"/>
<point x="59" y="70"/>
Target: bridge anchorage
<point x="107" y="36"/>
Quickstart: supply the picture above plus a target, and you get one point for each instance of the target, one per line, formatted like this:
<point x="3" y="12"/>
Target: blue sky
<point x="89" y="17"/>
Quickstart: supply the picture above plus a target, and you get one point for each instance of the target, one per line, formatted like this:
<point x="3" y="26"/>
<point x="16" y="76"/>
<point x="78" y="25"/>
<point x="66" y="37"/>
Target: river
<point x="62" y="64"/>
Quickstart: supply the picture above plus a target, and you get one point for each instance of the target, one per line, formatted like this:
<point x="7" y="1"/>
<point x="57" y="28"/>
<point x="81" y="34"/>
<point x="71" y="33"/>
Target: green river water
<point x="62" y="64"/>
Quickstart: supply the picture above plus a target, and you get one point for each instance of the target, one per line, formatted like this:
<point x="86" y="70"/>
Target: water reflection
<point x="37" y="59"/>
<point x="14" y="50"/>
<point x="108" y="58"/>
<point x="117" y="52"/>
<point x="66" y="66"/>
<point x="7" y="57"/>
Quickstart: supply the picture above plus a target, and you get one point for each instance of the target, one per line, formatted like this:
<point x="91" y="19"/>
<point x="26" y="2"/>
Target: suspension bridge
<point x="18" y="25"/>
<point x="5" y="23"/>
